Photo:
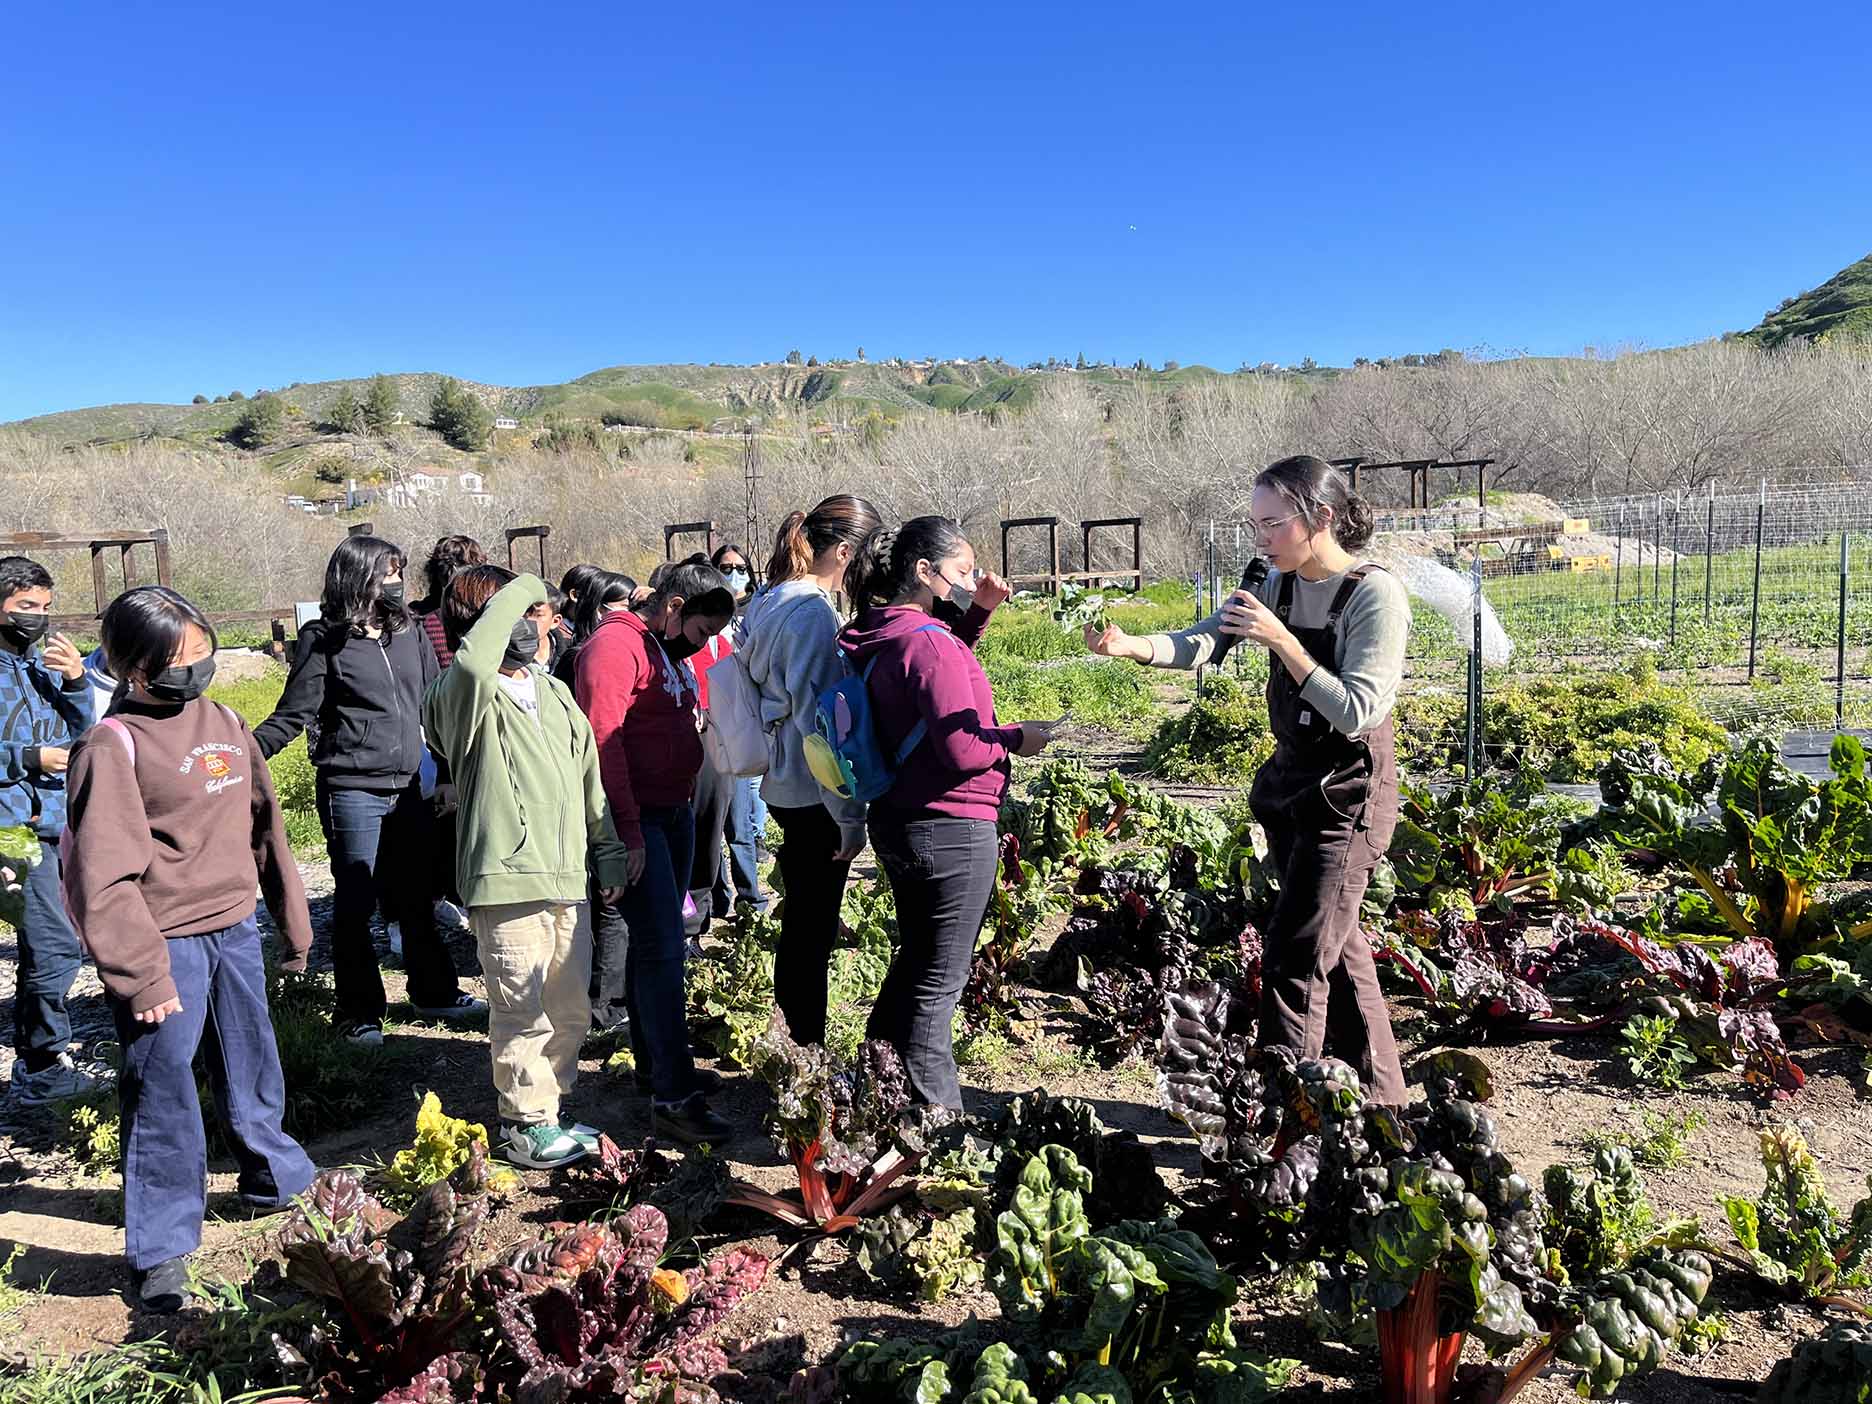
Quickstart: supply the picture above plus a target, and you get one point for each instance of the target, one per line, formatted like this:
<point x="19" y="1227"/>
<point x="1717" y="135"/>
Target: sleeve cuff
<point x="77" y="684"/>
<point x="155" y="993"/>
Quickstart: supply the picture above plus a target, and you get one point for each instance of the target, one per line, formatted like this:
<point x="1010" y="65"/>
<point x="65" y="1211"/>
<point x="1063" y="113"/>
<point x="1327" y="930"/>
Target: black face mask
<point x="392" y="593"/>
<point x="522" y="645"/>
<point x="183" y="684"/>
<point x="677" y="648"/>
<point x="26" y="629"/>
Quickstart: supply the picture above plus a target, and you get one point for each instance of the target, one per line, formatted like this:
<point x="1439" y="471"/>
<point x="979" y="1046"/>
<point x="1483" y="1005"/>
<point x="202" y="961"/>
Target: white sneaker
<point x="586" y="1136"/>
<point x="466" y="1006"/>
<point x="543" y="1146"/>
<point x="53" y="1084"/>
<point x="362" y="1035"/>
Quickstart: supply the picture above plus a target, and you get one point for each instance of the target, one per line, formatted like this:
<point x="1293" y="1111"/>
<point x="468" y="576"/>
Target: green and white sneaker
<point x="541" y="1146"/>
<point x="586" y="1136"/>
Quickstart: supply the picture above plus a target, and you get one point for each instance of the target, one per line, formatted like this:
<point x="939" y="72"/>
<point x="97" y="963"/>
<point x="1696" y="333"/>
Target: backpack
<point x="737" y="741"/>
<point x="843" y="754"/>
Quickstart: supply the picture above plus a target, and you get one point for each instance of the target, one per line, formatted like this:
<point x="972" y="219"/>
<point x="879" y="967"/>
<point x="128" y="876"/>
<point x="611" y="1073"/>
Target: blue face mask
<point x="737" y="580"/>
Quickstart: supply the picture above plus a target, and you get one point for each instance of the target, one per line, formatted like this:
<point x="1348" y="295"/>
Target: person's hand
<point x="851" y="845"/>
<point x="610" y="896"/>
<point x="633" y="866"/>
<point x="54" y="759"/>
<point x="1113" y="642"/>
<point x="160" y="1012"/>
<point x="62" y="655"/>
<point x="294" y="964"/>
<point x="991" y="591"/>
<point x="1246" y="617"/>
<point x="445" y="800"/>
<point x="1035" y="737"/>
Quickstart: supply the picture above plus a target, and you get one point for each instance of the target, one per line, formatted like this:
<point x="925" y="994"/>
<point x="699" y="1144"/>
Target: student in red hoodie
<point x="635" y="684"/>
<point x="934" y="831"/>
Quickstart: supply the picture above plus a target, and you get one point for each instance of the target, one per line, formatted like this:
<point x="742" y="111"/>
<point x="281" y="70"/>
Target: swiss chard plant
<point x="845" y="1127"/>
<point x="1483" y="841"/>
<point x="1023" y="898"/>
<point x="1834" y="1367"/>
<point x="731" y="990"/>
<point x="1793" y="1237"/>
<point x="1756" y="836"/>
<point x="588" y="1314"/>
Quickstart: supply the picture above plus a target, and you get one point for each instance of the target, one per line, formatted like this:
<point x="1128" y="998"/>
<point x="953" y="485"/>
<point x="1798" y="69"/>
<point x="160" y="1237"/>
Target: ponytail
<point x="840" y="520"/>
<point x="883" y="569"/>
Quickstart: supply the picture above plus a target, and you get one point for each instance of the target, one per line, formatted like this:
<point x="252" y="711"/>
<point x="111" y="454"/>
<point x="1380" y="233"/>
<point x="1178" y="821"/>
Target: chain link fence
<point x="1761" y="602"/>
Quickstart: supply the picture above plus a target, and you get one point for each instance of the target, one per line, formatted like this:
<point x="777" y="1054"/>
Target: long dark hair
<point x="143" y="630"/>
<point x="577" y="578"/>
<point x="839" y="520"/>
<point x="601" y="588"/>
<point x="467" y="595"/>
<point x="448" y="555"/>
<point x="884" y="567"/>
<point x="353" y="593"/>
<point x="699" y="584"/>
<point x="1308" y="485"/>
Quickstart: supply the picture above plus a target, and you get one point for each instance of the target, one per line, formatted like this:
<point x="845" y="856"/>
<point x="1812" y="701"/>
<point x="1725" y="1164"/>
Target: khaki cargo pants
<point x="537" y="958"/>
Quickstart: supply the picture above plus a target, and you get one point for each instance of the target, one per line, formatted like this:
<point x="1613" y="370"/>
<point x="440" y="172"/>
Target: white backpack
<point x="737" y="741"/>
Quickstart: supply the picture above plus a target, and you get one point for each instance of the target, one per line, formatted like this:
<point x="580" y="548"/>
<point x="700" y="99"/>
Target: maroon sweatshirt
<point x="960" y="769"/>
<point x="174" y="843"/>
<point x="642" y="710"/>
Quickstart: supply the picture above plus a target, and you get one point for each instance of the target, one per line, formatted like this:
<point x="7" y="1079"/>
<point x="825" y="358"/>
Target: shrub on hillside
<point x="346" y="415"/>
<point x="380" y="404"/>
<point x="458" y="416"/>
<point x="259" y="423"/>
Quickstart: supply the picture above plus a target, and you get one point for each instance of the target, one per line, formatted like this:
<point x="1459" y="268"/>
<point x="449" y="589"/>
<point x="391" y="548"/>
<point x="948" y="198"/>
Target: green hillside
<point x="1840" y="309"/>
<point x="655" y="397"/>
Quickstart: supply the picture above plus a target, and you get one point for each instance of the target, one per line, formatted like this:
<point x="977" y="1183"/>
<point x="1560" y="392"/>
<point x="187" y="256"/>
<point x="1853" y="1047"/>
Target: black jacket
<point x="361" y="700"/>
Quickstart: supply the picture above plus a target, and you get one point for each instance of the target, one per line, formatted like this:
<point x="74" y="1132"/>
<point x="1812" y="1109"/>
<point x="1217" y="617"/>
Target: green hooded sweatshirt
<point x="530" y="801"/>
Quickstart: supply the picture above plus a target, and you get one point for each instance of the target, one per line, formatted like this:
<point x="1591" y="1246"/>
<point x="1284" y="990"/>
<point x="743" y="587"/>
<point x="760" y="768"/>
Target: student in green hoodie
<point x="531" y="806"/>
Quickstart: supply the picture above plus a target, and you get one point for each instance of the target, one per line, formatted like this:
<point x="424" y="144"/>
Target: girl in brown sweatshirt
<point x="173" y="825"/>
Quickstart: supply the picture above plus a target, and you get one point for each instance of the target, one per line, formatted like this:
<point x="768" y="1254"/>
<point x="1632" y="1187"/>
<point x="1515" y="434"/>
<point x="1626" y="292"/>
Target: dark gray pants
<point x="49" y="956"/>
<point x="942" y="873"/>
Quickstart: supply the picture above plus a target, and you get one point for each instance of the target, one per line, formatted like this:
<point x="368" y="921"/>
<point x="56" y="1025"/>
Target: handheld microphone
<point x="1252" y="575"/>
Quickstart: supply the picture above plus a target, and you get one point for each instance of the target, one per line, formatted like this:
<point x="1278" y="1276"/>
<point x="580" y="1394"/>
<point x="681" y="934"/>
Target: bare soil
<point x="1549" y="1095"/>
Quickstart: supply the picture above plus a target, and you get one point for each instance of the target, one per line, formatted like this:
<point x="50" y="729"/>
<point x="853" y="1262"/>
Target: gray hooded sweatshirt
<point x="787" y="639"/>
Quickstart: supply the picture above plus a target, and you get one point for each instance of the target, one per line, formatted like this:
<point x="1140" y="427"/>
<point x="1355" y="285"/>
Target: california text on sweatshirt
<point x="174" y="844"/>
<point x="926" y="673"/>
<point x="643" y="712"/>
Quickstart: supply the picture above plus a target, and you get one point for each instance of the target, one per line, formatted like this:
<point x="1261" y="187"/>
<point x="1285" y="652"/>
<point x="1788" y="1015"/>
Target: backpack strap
<point x="914" y="737"/>
<point x="122" y="733"/>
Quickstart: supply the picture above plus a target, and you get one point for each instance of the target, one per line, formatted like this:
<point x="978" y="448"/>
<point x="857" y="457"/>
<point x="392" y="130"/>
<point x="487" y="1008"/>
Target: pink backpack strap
<point x="122" y="732"/>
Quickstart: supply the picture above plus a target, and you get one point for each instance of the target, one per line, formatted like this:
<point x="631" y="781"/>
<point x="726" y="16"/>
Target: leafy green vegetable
<point x="1793" y="1235"/>
<point x="441" y="1148"/>
<point x="1628" y="1320"/>
<point x="731" y="994"/>
<point x="1834" y="1367"/>
<point x="1655" y="1052"/>
<point x="19" y="854"/>
<point x="1597" y="1216"/>
<point x="1487" y="839"/>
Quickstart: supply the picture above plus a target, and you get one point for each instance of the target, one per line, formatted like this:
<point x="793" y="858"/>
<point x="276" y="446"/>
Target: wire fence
<point x="1762" y="601"/>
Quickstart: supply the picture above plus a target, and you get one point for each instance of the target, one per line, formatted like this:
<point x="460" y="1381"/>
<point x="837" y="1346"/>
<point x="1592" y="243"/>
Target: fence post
<point x="1618" y="559"/>
<point x="1761" y="508"/>
<point x="1709" y="548"/>
<point x="1657" y="545"/>
<point x="1472" y="741"/>
<point x="1839" y="644"/>
<point x="1676" y="554"/>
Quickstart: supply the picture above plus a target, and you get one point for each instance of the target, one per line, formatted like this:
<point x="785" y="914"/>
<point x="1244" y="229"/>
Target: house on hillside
<point x="424" y="481"/>
<point x="471" y="484"/>
<point x="506" y="421"/>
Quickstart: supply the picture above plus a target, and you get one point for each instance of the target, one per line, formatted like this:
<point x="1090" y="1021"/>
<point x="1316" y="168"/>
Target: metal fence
<point x="1761" y="601"/>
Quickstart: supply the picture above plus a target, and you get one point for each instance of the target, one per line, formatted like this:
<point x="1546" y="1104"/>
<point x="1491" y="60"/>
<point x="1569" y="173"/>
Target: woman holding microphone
<point x="1335" y="628"/>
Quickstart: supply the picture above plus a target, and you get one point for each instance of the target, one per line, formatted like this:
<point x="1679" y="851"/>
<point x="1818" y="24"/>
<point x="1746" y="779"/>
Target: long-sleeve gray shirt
<point x="1355" y="690"/>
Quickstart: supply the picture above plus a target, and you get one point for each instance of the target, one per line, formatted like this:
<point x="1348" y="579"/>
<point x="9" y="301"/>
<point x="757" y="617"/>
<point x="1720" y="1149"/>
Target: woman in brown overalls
<point x="1335" y="629"/>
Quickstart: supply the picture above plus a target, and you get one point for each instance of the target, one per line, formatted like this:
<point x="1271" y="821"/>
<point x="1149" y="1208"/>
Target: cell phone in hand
<point x="1063" y="718"/>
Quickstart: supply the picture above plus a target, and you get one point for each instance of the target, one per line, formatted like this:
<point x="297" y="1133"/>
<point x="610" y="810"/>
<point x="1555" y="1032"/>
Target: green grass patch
<point x="1098" y="692"/>
<point x="293" y="776"/>
<point x="1221" y="739"/>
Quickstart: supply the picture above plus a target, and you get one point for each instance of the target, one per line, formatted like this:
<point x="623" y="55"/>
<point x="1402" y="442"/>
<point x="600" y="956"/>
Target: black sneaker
<point x="707" y="1080"/>
<point x="689" y="1122"/>
<point x="164" y="1287"/>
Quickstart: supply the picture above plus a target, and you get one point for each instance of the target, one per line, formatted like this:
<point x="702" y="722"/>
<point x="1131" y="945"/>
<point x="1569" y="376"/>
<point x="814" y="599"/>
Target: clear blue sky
<point x="203" y="198"/>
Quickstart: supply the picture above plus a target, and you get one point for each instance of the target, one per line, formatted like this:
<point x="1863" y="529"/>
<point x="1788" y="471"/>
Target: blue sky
<point x="200" y="200"/>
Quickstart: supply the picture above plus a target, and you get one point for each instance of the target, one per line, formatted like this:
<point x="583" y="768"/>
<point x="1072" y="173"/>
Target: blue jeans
<point x="653" y="967"/>
<point x="221" y="980"/>
<point x="49" y="956"/>
<point x="747" y="822"/>
<point x="383" y="852"/>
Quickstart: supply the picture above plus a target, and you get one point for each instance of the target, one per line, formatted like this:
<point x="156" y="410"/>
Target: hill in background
<point x="1839" y="309"/>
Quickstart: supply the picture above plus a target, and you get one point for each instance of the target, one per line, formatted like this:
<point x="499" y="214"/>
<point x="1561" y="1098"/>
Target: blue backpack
<point x="844" y="755"/>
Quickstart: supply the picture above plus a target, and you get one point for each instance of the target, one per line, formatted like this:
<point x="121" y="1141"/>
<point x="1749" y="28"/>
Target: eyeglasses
<point x="1267" y="528"/>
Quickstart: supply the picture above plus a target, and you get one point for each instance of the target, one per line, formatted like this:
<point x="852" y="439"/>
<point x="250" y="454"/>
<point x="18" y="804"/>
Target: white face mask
<point x="737" y="580"/>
